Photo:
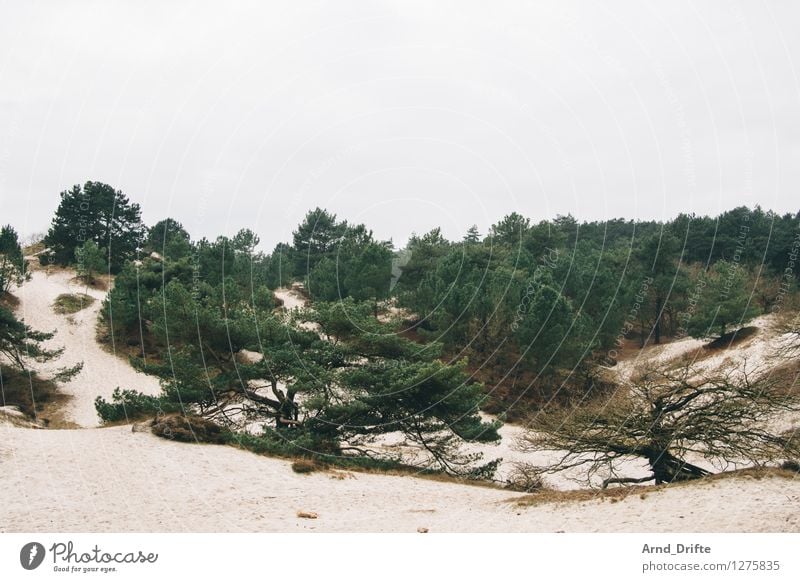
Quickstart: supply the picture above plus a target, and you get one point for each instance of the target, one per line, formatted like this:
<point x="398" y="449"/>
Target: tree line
<point x="415" y="339"/>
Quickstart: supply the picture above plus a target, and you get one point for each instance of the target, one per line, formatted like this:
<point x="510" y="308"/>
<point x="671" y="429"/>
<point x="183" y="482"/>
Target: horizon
<point x="456" y="237"/>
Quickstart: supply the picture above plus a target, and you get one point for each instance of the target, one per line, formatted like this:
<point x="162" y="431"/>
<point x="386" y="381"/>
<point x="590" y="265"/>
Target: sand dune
<point x="102" y="371"/>
<point x="111" y="479"/>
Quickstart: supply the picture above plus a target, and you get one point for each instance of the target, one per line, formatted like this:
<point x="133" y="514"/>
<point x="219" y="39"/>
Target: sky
<point x="402" y="115"/>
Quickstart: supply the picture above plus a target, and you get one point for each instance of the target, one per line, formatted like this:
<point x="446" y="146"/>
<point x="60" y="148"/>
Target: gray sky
<point x="403" y="115"/>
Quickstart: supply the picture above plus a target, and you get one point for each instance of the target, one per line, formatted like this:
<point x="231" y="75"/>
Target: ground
<point x="113" y="479"/>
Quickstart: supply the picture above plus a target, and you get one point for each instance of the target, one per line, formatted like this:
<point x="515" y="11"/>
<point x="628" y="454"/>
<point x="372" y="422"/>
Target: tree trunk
<point x="668" y="468"/>
<point x="658" y="320"/>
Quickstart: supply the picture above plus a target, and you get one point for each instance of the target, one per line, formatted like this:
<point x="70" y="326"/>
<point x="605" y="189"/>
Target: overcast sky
<point x="402" y="115"/>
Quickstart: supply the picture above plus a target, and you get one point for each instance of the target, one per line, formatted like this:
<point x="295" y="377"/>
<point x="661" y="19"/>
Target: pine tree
<point x="12" y="263"/>
<point x="90" y="261"/>
<point x="472" y="236"/>
<point x="724" y="302"/>
<point x="98" y="213"/>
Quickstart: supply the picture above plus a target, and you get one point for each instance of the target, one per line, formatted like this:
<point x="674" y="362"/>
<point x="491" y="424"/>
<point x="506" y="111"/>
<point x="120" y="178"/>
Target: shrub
<point x="190" y="429"/>
<point x="130" y="404"/>
<point x="27" y="391"/>
<point x="72" y="302"/>
<point x="525" y="477"/>
<point x="793" y="466"/>
<point x="305" y="466"/>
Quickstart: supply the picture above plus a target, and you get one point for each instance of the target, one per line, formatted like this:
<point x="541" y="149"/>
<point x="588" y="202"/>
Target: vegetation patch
<point x="67" y="303"/>
<point x="617" y="494"/>
<point x="8" y="301"/>
<point x="27" y="391"/>
<point x="190" y="429"/>
<point x="732" y="338"/>
<point x="306" y="466"/>
<point x="130" y="405"/>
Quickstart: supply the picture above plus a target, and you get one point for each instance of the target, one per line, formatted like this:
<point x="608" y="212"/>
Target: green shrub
<point x="72" y="302"/>
<point x="130" y="404"/>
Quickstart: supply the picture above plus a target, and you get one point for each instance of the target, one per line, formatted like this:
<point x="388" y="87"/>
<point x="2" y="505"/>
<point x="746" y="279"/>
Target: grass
<point x="38" y="398"/>
<point x="306" y="466"/>
<point x="68" y="303"/>
<point x="9" y="301"/>
<point x="616" y="494"/>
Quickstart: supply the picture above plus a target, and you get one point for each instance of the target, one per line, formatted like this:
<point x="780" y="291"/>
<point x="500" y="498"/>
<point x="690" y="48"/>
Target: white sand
<point x="102" y="371"/>
<point x="114" y="480"/>
<point x="757" y="352"/>
<point x="292" y="298"/>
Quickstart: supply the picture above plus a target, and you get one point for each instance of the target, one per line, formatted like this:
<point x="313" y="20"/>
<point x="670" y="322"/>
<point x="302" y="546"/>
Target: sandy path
<point x="111" y="479"/>
<point x="291" y="298"/>
<point x="102" y="371"/>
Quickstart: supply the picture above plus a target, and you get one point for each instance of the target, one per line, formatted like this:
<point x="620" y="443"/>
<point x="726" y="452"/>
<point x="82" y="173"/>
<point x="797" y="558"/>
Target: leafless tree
<point x="667" y="414"/>
<point x="787" y="324"/>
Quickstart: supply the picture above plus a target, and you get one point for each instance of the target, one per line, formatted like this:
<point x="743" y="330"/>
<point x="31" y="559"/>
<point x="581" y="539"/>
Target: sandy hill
<point x="113" y="479"/>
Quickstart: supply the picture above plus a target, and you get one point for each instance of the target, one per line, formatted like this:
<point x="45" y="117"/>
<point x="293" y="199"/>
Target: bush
<point x="129" y="404"/>
<point x="72" y="302"/>
<point x="25" y="390"/>
<point x="793" y="466"/>
<point x="525" y="477"/>
<point x="305" y="466"/>
<point x="305" y="448"/>
<point x="190" y="429"/>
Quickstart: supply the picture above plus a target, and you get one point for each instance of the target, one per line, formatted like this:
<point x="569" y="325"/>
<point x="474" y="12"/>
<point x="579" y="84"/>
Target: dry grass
<point x="33" y="248"/>
<point x="190" y="429"/>
<point x="9" y="301"/>
<point x="99" y="282"/>
<point x="35" y="397"/>
<point x="68" y="303"/>
<point x="306" y="466"/>
<point x="616" y="494"/>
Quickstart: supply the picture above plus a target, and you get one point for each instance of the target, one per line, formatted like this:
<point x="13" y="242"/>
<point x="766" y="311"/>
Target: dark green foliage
<point x="20" y="384"/>
<point x="128" y="405"/>
<point x="26" y="390"/>
<point x="533" y="306"/>
<point x="316" y="238"/>
<point x="100" y="214"/>
<point x="472" y="236"/>
<point x="90" y="261"/>
<point x="350" y="383"/>
<point x="725" y="301"/>
<point x="12" y="264"/>
<point x="510" y="231"/>
<point x="538" y="305"/>
<point x="20" y="344"/>
<point x="350" y="263"/>
<point x="168" y="238"/>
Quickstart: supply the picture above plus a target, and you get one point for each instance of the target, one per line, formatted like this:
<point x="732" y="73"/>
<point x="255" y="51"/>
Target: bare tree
<point x="667" y="414"/>
<point x="787" y="324"/>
